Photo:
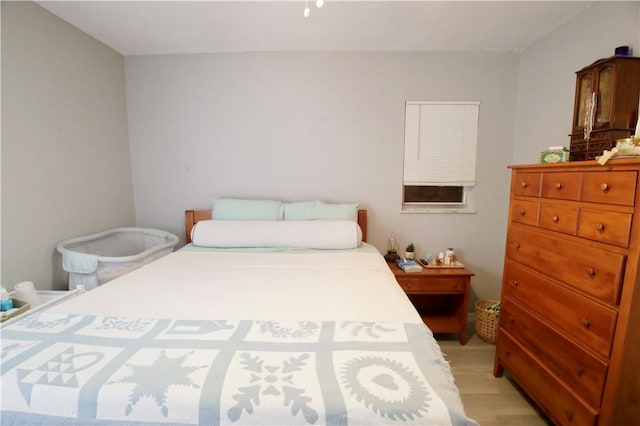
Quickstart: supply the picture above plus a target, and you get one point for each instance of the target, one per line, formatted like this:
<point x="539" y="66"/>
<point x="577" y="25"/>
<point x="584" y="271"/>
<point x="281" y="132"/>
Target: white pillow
<point x="314" y="234"/>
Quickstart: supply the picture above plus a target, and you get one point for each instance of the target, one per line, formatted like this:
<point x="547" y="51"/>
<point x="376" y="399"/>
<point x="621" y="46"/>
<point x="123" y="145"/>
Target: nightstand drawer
<point x="430" y="285"/>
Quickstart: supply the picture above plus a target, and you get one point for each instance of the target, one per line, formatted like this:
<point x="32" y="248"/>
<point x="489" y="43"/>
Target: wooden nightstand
<point x="48" y="299"/>
<point x="440" y="295"/>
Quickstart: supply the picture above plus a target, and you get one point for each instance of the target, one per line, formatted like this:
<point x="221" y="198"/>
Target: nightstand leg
<point x="464" y="311"/>
<point x="463" y="336"/>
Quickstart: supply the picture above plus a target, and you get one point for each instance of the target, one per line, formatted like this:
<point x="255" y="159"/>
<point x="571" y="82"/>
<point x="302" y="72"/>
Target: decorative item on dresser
<point x="606" y="105"/>
<point x="570" y="307"/>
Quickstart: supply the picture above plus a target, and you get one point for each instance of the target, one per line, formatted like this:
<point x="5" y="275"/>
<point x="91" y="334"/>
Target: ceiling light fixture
<point x="307" y="11"/>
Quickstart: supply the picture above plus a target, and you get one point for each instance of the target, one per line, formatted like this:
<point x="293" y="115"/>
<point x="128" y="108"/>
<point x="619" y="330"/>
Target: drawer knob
<point x="600" y="227"/>
<point x="522" y="212"/>
<point x="555" y="218"/>
<point x="516" y="283"/>
<point x="517" y="245"/>
<point x="605" y="187"/>
<point x="579" y="371"/>
<point x="524" y="184"/>
<point x="591" y="272"/>
<point x="512" y="320"/>
<point x="558" y="186"/>
<point x="586" y="323"/>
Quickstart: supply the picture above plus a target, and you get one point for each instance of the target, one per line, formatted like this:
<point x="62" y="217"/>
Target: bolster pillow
<point x="312" y="234"/>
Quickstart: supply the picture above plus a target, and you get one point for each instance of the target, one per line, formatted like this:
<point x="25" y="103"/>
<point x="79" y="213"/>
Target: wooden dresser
<point x="570" y="315"/>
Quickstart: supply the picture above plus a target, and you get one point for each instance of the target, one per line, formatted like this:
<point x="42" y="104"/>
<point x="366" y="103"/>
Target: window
<point x="440" y="141"/>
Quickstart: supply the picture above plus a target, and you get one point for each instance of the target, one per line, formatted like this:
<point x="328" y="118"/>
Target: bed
<point x="210" y="335"/>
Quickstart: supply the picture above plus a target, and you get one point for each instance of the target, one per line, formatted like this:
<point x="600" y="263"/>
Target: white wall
<point x="66" y="168"/>
<point x="284" y="125"/>
<point x="300" y="126"/>
<point x="546" y="83"/>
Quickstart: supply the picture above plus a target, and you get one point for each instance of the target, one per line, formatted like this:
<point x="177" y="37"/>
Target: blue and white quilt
<point x="82" y="369"/>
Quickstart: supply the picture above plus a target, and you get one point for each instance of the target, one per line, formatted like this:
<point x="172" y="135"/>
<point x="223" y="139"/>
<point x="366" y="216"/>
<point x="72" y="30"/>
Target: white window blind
<point x="440" y="143"/>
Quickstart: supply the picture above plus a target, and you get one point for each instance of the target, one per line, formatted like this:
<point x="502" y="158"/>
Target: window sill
<point x="438" y="211"/>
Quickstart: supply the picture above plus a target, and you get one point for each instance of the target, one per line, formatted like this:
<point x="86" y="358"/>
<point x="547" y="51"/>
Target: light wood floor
<point x="488" y="400"/>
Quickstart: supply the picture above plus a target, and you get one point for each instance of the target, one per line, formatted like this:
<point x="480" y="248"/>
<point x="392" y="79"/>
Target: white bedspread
<point x="213" y="338"/>
<point x="285" y="286"/>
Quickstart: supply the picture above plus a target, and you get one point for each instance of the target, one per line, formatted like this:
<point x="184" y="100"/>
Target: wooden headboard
<point x="191" y="217"/>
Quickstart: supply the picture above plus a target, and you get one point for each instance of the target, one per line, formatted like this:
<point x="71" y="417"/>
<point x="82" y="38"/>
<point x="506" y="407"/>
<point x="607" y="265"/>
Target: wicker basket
<point x="487" y="321"/>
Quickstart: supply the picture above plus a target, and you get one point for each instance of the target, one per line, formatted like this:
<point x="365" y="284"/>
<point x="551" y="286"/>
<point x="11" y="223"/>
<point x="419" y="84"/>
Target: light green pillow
<point x="298" y="211"/>
<point x="240" y="209"/>
<point x="319" y="210"/>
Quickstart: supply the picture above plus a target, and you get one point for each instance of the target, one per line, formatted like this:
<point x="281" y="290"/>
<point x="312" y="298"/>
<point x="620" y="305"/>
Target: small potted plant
<point x="409" y="251"/>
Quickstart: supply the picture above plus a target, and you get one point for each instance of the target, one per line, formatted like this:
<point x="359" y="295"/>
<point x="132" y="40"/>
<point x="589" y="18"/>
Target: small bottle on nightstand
<point x="450" y="256"/>
<point x="5" y="301"/>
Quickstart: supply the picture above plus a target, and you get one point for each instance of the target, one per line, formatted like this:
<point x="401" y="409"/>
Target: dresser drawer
<point x="559" y="218"/>
<point x="589" y="269"/>
<point x="578" y="156"/>
<point x="589" y="322"/>
<point x="578" y="144"/>
<point x="607" y="227"/>
<point x="422" y="285"/>
<point x="524" y="212"/>
<point x="576" y="367"/>
<point x="610" y="187"/>
<point x="524" y="183"/>
<point x="554" y="396"/>
<point x="563" y="186"/>
<point x="599" y="146"/>
<point x="591" y="155"/>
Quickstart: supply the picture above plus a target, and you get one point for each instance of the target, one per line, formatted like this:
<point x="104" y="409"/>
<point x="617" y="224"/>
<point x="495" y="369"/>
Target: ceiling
<point x="175" y="27"/>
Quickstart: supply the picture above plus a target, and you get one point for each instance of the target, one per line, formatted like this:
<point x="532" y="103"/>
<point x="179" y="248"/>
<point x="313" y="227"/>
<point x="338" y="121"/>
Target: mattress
<point x="232" y="337"/>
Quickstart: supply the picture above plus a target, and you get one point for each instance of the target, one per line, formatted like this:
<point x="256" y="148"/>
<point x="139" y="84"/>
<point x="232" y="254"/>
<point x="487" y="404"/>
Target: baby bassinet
<point x="95" y="259"/>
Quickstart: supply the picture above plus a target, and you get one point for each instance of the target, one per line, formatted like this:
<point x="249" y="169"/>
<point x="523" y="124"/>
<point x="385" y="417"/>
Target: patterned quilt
<point x="76" y="369"/>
